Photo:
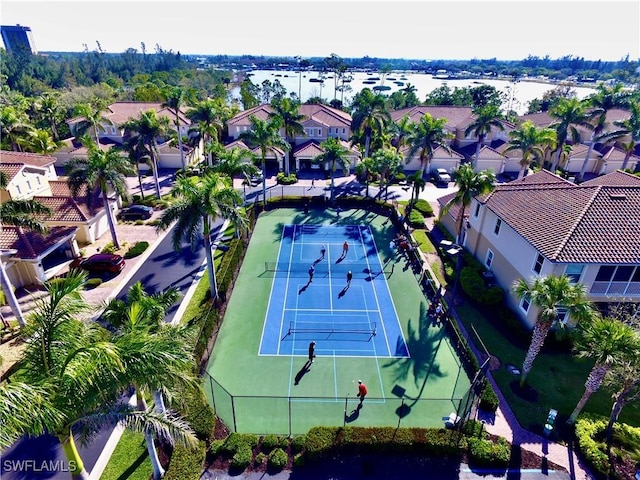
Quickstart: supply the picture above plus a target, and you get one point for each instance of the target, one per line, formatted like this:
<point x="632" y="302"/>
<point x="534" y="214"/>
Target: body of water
<point x="316" y="84"/>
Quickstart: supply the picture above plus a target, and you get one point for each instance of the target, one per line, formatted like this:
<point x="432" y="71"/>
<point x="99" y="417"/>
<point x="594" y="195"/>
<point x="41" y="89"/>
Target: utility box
<point x="551" y="420"/>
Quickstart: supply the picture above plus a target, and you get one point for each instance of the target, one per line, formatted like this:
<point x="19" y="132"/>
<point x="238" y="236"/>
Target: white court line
<point x="375" y="294"/>
<point x="326" y="310"/>
<point x="286" y="288"/>
<point x="264" y="322"/>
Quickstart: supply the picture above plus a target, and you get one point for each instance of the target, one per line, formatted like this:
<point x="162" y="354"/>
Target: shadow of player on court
<point x="304" y="288"/>
<point x="343" y="291"/>
<point x="306" y="368"/>
<point x="353" y="415"/>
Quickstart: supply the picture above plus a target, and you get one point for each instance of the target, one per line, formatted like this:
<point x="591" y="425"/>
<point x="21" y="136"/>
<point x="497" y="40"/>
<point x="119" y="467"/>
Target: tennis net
<point x="325" y="269"/>
<point x="361" y="331"/>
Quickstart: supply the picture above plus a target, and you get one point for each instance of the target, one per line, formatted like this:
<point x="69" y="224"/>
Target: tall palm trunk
<point x="154" y="166"/>
<point x="182" y="161"/>
<point x="556" y="159"/>
<point x="621" y="399"/>
<point x="540" y="331"/>
<point x="478" y="147"/>
<point x="264" y="178"/>
<point x="76" y="466"/>
<point x="627" y="156"/>
<point x="594" y="380"/>
<point x="583" y="169"/>
<point x="158" y="471"/>
<point x="110" y="218"/>
<point x="333" y="173"/>
<point x="211" y="269"/>
<point x="10" y="295"/>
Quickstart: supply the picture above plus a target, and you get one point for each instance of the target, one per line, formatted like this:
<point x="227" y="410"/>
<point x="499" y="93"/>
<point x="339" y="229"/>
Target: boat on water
<point x="441" y="74"/>
<point x="400" y="84"/>
<point x="315" y="80"/>
<point x="369" y="82"/>
<point x="391" y="78"/>
<point x="403" y="77"/>
<point x="381" y="88"/>
<point x="374" y="78"/>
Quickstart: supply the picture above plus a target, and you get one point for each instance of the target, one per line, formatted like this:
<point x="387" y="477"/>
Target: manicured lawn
<point x="557" y="379"/>
<point x="130" y="459"/>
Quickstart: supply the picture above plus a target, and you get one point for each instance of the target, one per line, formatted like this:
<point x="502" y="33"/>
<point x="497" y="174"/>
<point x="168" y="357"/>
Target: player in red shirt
<point x="362" y="391"/>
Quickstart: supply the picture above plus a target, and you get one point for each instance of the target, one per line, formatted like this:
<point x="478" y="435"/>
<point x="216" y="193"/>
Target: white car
<point x="442" y="176"/>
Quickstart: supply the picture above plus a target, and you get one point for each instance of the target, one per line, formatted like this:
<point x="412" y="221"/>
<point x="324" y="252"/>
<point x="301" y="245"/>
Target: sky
<point x="410" y="29"/>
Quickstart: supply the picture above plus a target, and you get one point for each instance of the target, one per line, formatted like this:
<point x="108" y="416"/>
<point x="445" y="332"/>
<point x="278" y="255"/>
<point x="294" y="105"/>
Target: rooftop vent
<point x="617" y="196"/>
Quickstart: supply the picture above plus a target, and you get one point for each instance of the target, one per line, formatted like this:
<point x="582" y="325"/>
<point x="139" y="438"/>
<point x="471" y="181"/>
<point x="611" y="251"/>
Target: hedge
<point x="416" y="219"/>
<point x="228" y="265"/>
<point x="485" y="453"/>
<point x="489" y="401"/>
<point x="269" y="442"/>
<point x="278" y="459"/>
<point x="474" y="286"/>
<point x="195" y="409"/>
<point x="283" y="179"/>
<point x="137" y="249"/>
<point x="186" y="463"/>
<point x="423" y="207"/>
<point x="588" y="429"/>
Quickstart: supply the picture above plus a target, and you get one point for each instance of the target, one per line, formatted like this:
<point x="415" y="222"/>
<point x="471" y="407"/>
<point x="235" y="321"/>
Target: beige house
<point x="544" y="225"/>
<point x="111" y="133"/>
<point x="71" y="223"/>
<point x="320" y="122"/>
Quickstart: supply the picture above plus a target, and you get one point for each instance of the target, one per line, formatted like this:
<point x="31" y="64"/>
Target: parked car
<point x="100" y="263"/>
<point x="136" y="212"/>
<point x="257" y="178"/>
<point x="441" y="176"/>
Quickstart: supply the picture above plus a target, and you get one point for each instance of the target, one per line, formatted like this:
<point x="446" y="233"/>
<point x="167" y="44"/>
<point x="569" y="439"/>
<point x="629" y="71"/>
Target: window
<point x="496" y="229"/>
<point x="537" y="267"/>
<point x="344" y="130"/>
<point x="19" y="189"/>
<point x="319" y="130"/>
<point x="38" y="180"/>
<point x="489" y="260"/>
<point x="28" y="185"/>
<point x="623" y="274"/>
<point x="525" y="303"/>
<point x="605" y="273"/>
<point x="574" y="271"/>
<point x="476" y="212"/>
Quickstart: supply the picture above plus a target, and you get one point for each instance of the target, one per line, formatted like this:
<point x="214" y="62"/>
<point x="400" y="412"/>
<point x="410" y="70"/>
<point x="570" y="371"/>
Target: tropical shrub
<point x="269" y="442"/>
<point x="423" y="207"/>
<point x="278" y="459"/>
<point x="186" y="463"/>
<point x="416" y="219"/>
<point x="109" y="248"/>
<point x="236" y="441"/>
<point x="489" y="401"/>
<point x="474" y="286"/>
<point x="136" y="249"/>
<point x="92" y="283"/>
<point x="242" y="458"/>
<point x="284" y="179"/>
<point x="589" y="428"/>
<point x="485" y="453"/>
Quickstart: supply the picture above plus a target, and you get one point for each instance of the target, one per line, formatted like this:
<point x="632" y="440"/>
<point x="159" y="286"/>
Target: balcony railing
<point x="627" y="289"/>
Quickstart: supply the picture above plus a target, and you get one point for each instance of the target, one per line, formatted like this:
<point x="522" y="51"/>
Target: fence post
<point x="344" y="417"/>
<point x="233" y="412"/>
<point x="290" y="427"/>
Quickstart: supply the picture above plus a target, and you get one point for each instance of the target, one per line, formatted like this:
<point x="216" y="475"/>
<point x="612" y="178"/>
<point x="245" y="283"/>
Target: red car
<point x="100" y="263"/>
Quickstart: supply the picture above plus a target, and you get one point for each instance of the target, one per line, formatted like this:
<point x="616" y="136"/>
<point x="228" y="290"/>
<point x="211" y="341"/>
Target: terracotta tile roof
<point x="310" y="148"/>
<point x="573" y="223"/>
<point x="32" y="159"/>
<point x="10" y="170"/>
<point x="541" y="119"/>
<point x="121" y="112"/>
<point x="615" y="179"/>
<point x="32" y="245"/>
<point x="65" y="209"/>
<point x="322" y="114"/>
<point x="59" y="188"/>
<point x="488" y="153"/>
<point x="543" y="177"/>
<point x="456" y="116"/>
<point x="437" y="153"/>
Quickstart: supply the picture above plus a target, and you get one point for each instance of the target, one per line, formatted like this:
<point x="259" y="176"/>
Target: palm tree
<point x="174" y="101"/>
<point x="606" y="341"/>
<point x="140" y="320"/>
<point x="569" y="113"/>
<point x="602" y="101"/>
<point x="530" y="140"/>
<point x="487" y="118"/>
<point x="22" y="214"/>
<point x="236" y="161"/>
<point x="81" y="372"/>
<point x="400" y="131"/>
<point x="335" y="154"/>
<point x="624" y="380"/>
<point x="286" y="112"/>
<point x="138" y="153"/>
<point x="39" y="141"/>
<point x="551" y="295"/>
<point x="148" y="127"/>
<point x="426" y="137"/>
<point x="264" y="134"/>
<point x="208" y="118"/>
<point x="629" y="127"/>
<point x="100" y="173"/>
<point x="91" y="117"/>
<point x="387" y="162"/>
<point x="417" y="185"/>
<point x="14" y="125"/>
<point x="370" y="116"/>
<point x="50" y="110"/>
<point x="470" y="184"/>
<point x="198" y="201"/>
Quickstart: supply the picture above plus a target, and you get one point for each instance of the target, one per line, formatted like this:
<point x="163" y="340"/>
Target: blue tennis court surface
<point x="348" y="319"/>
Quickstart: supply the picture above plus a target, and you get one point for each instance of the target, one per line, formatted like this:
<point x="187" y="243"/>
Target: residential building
<point x="111" y="134"/>
<point x="544" y="225"/>
<point x="320" y="122"/>
<point x="17" y="38"/>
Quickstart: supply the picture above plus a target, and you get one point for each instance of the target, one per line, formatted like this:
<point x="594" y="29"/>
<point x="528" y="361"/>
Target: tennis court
<point x="258" y="377"/>
<point x="344" y="318"/>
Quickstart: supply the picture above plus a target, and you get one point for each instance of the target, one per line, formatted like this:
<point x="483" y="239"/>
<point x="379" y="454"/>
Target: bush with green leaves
<point x="259" y="460"/>
<point x="186" y="463"/>
<point x="399" y="177"/>
<point x="278" y="459"/>
<point x="284" y="179"/>
<point x="486" y="453"/>
<point x="92" y="283"/>
<point x="242" y="458"/>
<point x="423" y="207"/>
<point x="216" y="446"/>
<point x="236" y="441"/>
<point x="269" y="442"/>
<point x="136" y="249"/>
<point x="416" y="219"/>
<point x="109" y="248"/>
<point x="489" y="401"/>
<point x="589" y="429"/>
<point x="474" y="286"/>
<point x="299" y="460"/>
<point x="297" y="443"/>
<point x="195" y="409"/>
